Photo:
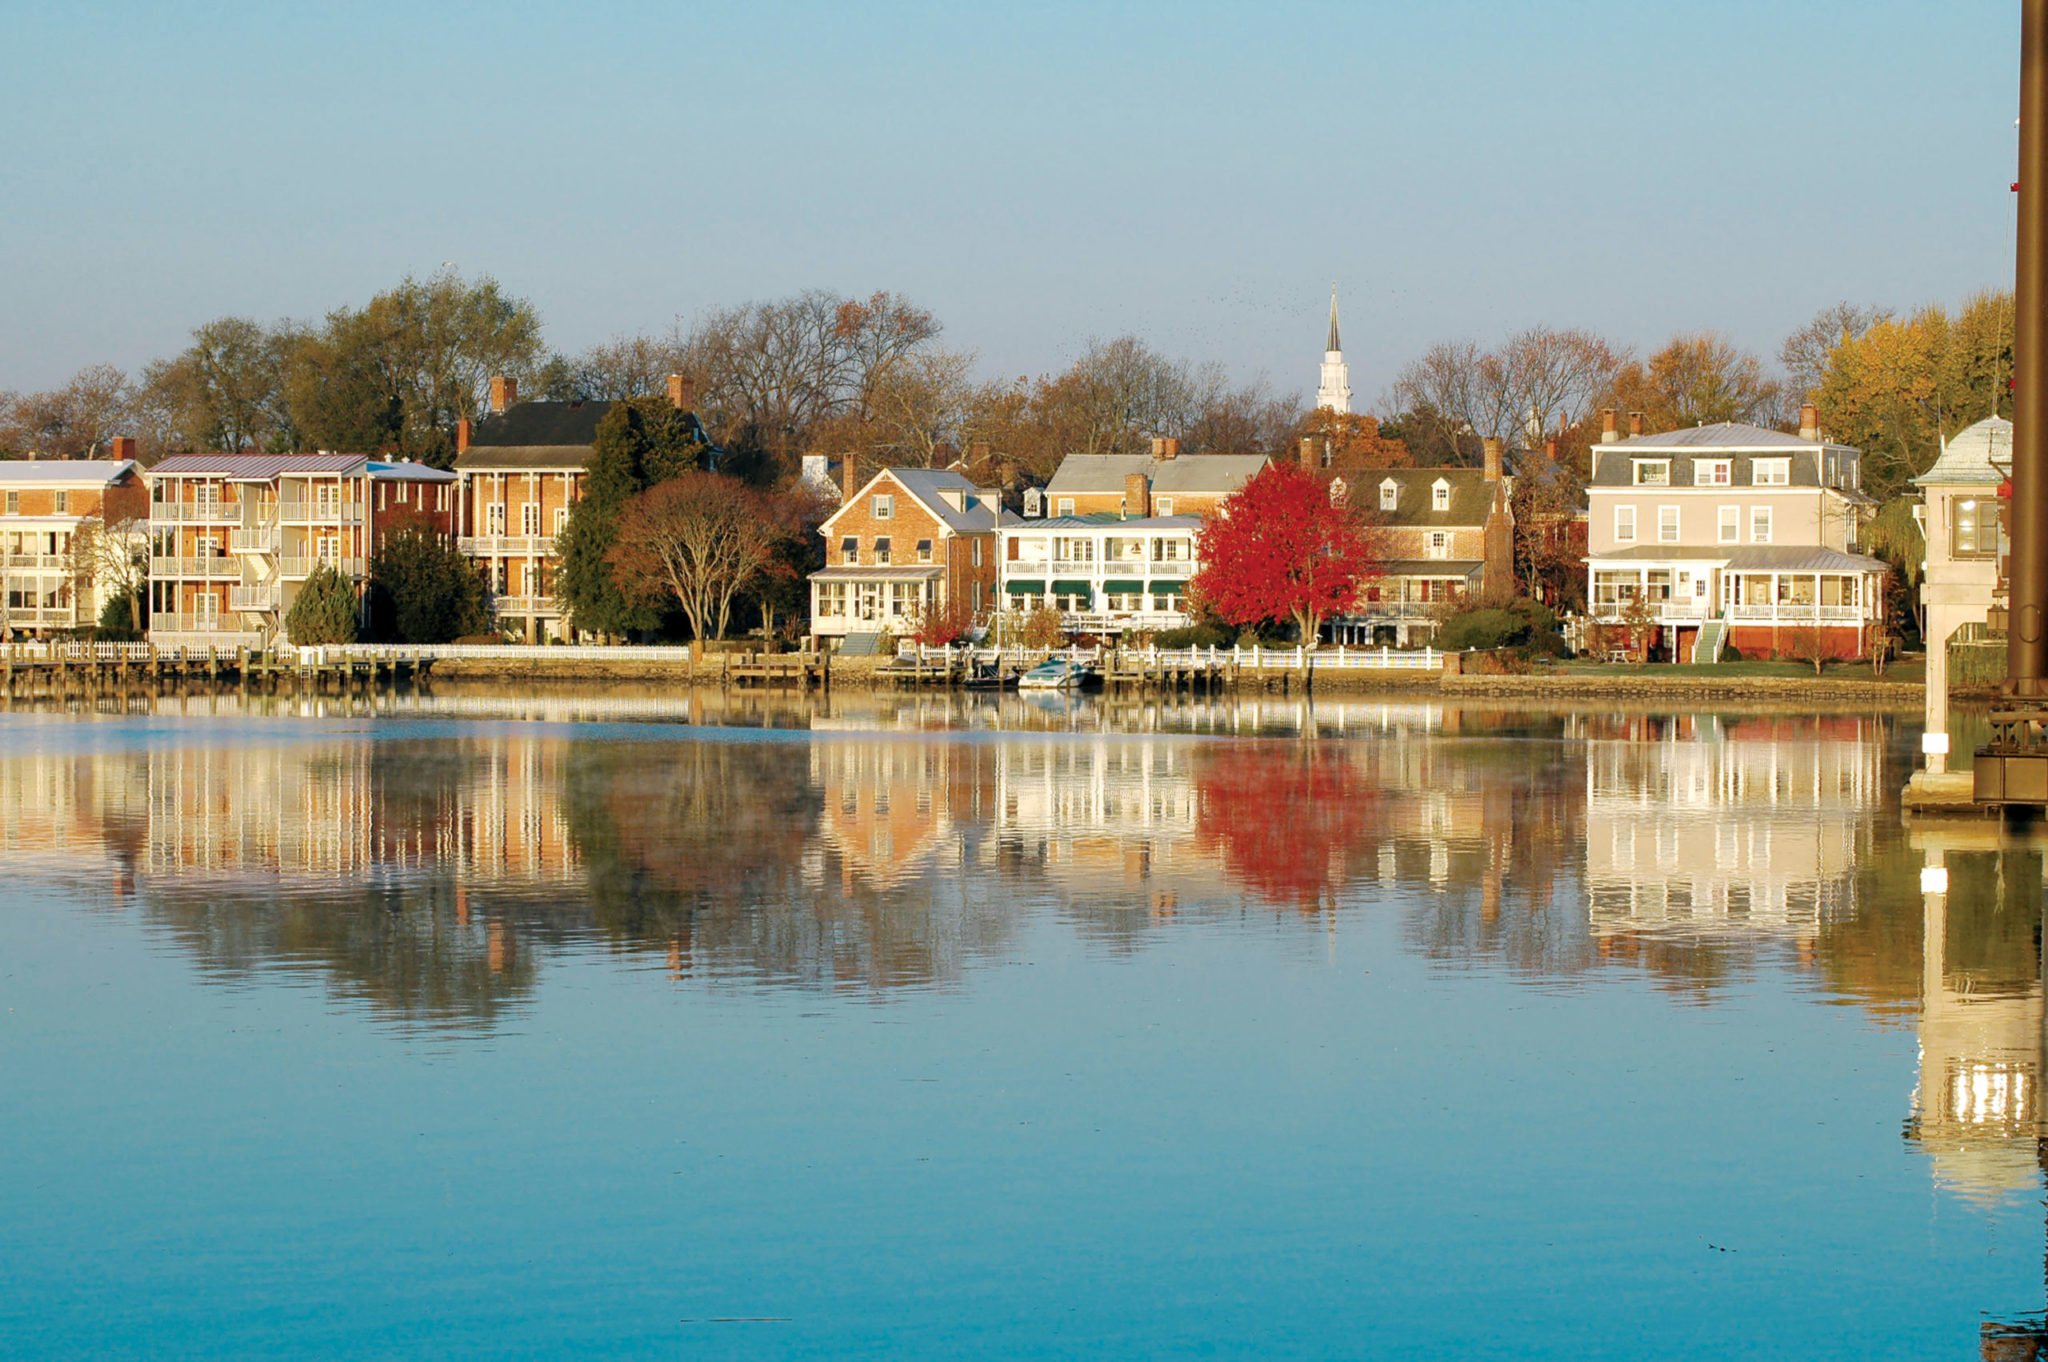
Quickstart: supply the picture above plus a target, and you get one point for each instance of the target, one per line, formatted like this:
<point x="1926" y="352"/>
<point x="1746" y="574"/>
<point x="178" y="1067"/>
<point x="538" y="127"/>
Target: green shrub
<point x="1207" y="635"/>
<point x="326" y="610"/>
<point x="1521" y="623"/>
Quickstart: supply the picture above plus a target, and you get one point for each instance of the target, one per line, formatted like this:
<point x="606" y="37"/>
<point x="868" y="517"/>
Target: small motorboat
<point x="1056" y="673"/>
<point x="989" y="676"/>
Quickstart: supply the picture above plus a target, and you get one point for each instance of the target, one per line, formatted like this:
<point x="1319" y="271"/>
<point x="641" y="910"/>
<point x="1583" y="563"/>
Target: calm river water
<point x="469" y="1025"/>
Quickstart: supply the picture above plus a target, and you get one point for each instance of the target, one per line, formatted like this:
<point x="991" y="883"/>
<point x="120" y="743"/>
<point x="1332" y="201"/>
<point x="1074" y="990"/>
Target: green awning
<point x="1072" y="589"/>
<point x="1025" y="588"/>
<point x="1123" y="588"/>
<point x="1170" y="589"/>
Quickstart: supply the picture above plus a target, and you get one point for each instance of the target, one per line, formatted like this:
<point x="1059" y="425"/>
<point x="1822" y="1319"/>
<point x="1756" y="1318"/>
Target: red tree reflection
<point x="1284" y="817"/>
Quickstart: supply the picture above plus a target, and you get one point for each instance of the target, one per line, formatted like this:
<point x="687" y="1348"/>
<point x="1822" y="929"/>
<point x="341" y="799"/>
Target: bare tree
<point x="114" y="558"/>
<point x="1806" y="353"/>
<point x="699" y="539"/>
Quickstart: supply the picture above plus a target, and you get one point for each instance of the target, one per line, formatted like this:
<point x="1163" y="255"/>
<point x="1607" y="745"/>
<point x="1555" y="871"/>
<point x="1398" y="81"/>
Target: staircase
<point x="1706" y="647"/>
<point x="861" y="645"/>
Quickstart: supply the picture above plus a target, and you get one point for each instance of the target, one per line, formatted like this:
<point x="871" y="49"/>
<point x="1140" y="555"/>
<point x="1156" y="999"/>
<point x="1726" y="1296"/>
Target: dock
<point x="777" y="671"/>
<point x="58" y="669"/>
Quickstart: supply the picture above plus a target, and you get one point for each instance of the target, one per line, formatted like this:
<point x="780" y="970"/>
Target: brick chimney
<point x="462" y="429"/>
<point x="504" y="392"/>
<point x="1550" y="449"/>
<point x="849" y="478"/>
<point x="1809" y="422"/>
<point x="1309" y="458"/>
<point x="1137" y="496"/>
<point x="977" y="454"/>
<point x="1158" y="446"/>
<point x="1492" y="445"/>
<point x="1635" y="424"/>
<point x="1608" y="433"/>
<point x="1171" y="448"/>
<point x="682" y="392"/>
<point x="121" y="447"/>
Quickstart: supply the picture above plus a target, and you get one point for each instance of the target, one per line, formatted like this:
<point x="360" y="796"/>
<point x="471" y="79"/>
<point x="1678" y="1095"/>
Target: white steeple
<point x="1335" y="390"/>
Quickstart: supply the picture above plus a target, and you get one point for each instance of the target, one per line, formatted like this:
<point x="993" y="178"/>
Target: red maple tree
<point x="1279" y="548"/>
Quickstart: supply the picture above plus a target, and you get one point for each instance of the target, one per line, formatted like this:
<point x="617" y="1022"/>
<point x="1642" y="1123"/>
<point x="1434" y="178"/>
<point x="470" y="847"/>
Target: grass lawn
<point x="1901" y="669"/>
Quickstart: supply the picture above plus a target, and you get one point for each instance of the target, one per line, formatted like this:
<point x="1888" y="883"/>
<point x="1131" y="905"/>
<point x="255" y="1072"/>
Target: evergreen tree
<point x="617" y="474"/>
<point x="422" y="590"/>
<point x="325" y="611"/>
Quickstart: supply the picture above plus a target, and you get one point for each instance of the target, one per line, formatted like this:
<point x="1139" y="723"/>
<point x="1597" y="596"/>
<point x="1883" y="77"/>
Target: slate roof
<point x="1974" y="456"/>
<point x="22" y="471"/>
<point x="255" y="466"/>
<point x="548" y="435"/>
<point x="1194" y="474"/>
<point x="1471" y="496"/>
<point x="925" y="484"/>
<point x="1614" y="465"/>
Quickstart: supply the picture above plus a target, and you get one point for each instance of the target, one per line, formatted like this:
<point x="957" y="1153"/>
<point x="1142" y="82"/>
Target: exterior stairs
<point x="1707" y="646"/>
<point x="861" y="645"/>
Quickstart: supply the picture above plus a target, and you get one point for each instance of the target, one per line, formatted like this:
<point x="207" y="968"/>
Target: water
<point x="469" y="1025"/>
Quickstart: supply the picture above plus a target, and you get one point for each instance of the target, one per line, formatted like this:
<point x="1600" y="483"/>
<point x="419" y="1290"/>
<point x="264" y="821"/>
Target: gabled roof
<point x="1471" y="496"/>
<point x="925" y="485"/>
<point x="77" y="472"/>
<point x="256" y="466"/>
<point x="1978" y="455"/>
<point x="550" y="435"/>
<point x="1103" y="520"/>
<point x="1190" y="474"/>
<point x="408" y="471"/>
<point x="1720" y="435"/>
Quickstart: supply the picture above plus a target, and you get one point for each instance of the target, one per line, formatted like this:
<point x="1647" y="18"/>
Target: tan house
<point x="1961" y="581"/>
<point x="1164" y="481"/>
<point x="1735" y="534"/>
<point x="907" y="541"/>
<point x="1445" y="534"/>
<point x="43" y="503"/>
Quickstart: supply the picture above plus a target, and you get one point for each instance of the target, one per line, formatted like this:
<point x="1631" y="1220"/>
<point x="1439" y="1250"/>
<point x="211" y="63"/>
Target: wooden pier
<point x="1190" y="669"/>
<point x="781" y="671"/>
<point x="57" y="669"/>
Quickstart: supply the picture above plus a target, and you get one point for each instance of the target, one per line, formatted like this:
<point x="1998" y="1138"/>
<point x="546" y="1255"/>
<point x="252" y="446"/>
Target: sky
<point x="1035" y="174"/>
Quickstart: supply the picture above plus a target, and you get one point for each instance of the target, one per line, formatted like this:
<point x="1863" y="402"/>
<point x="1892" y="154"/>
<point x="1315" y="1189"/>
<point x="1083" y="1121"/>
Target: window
<point x="1731" y="525"/>
<point x="1390" y="494"/>
<point x="326" y="499"/>
<point x="206" y="610"/>
<point x="63" y="503"/>
<point x="1770" y="473"/>
<point x="441" y="497"/>
<point x="1653" y="472"/>
<point x="1972" y="528"/>
<point x="1667" y="524"/>
<point x="884" y="505"/>
<point x="494" y="518"/>
<point x="1760" y="525"/>
<point x="1339" y="492"/>
<point x="1440" y="495"/>
<point x="1710" y="472"/>
<point x="882" y="550"/>
<point x="529" y="519"/>
<point x="561" y="520"/>
<point x="924" y="550"/>
<point x="1163" y="505"/>
<point x="831" y="598"/>
<point x="14" y="503"/>
<point x="977" y="554"/>
<point x="1065" y="506"/>
<point x="1624" y="524"/>
<point x="1439" y="544"/>
<point x="849" y="549"/>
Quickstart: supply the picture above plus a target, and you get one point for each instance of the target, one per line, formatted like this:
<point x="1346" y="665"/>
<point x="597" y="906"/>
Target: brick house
<point x="43" y="503"/>
<point x="1444" y="535"/>
<point x="906" y="541"/>
<point x="521" y="468"/>
<point x="1734" y="534"/>
<point x="233" y="537"/>
<point x="1172" y="484"/>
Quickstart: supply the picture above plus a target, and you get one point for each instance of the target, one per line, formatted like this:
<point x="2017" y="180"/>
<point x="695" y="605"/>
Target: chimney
<point x="849" y="478"/>
<point x="1550" y="449"/>
<point x="1608" y="434"/>
<point x="462" y="429"/>
<point x="121" y="447"/>
<point x="1308" y="452"/>
<point x="504" y="392"/>
<point x="682" y="392"/>
<point x="1171" y="448"/>
<point x="1137" y="496"/>
<point x="1809" y="422"/>
<point x="1158" y="446"/>
<point x="1006" y="473"/>
<point x="1635" y="423"/>
<point x="1491" y="444"/>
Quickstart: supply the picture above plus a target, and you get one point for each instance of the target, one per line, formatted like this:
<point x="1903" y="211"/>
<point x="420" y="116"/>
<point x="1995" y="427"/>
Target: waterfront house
<point x="1163" y="483"/>
<point x="233" y="537"/>
<point x="1444" y="535"/>
<point x="905" y="542"/>
<point x="1104" y="573"/>
<point x="522" y="467"/>
<point x="1733" y="534"/>
<point x="1966" y="545"/>
<point x="43" y="505"/>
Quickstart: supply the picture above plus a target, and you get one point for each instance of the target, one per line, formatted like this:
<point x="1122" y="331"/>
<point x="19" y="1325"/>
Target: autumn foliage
<point x="1283" y="817"/>
<point x="1278" y="548"/>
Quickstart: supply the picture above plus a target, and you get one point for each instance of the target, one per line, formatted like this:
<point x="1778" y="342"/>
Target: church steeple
<point x="1334" y="392"/>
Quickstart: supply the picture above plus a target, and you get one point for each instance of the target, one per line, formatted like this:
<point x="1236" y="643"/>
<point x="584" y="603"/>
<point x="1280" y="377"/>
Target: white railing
<point x="211" y="568"/>
<point x="252" y="598"/>
<point x="303" y="567"/>
<point x="1169" y="567"/>
<point x="1792" y="613"/>
<point x="253" y="541"/>
<point x="222" y="631"/>
<point x="172" y="513"/>
<point x="1014" y="653"/>
<point x="21" y="615"/>
<point x="1111" y="621"/>
<point x="506" y="652"/>
<point x="321" y="513"/>
<point x="34" y="562"/>
<point x="1317" y="659"/>
<point x="525" y="605"/>
<point x="507" y="545"/>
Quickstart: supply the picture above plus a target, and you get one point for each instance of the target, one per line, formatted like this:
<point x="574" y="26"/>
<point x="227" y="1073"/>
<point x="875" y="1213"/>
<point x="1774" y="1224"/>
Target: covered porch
<point x="867" y="600"/>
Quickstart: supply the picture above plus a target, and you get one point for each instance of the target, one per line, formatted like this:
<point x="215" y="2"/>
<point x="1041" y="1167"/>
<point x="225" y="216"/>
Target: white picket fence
<point x="504" y="652"/>
<point x="1315" y="659"/>
<point x="111" y="652"/>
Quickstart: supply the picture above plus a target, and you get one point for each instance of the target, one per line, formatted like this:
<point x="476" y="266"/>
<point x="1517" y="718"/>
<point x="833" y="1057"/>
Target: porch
<point x="848" y="600"/>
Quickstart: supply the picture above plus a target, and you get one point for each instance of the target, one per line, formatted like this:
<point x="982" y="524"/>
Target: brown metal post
<point x="2027" y="641"/>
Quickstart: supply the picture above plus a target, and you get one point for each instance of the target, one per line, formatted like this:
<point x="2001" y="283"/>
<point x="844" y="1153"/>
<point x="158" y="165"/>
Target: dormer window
<point x="1653" y="472"/>
<point x="1440" y="495"/>
<point x="1390" y="494"/>
<point x="1162" y="505"/>
<point x="1770" y="472"/>
<point x="1710" y="472"/>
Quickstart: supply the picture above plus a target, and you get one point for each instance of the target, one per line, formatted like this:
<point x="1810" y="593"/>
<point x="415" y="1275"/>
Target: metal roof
<point x="893" y="573"/>
<point x="256" y="466"/>
<point x="1974" y="456"/>
<point x="407" y="471"/>
<point x="1798" y="558"/>
<point x="1431" y="567"/>
<point x="1199" y="474"/>
<point x="1106" y="520"/>
<point x="39" y="471"/>
<point x="926" y="484"/>
<point x="1720" y="435"/>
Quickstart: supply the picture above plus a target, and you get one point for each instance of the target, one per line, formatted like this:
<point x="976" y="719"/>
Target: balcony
<point x="264" y="540"/>
<point x="206" y="568"/>
<point x="35" y="562"/>
<point x="1121" y="621"/>
<point x="320" y="512"/>
<point x="202" y="630"/>
<point x="1792" y="612"/>
<point x="526" y="605"/>
<point x="507" y="546"/>
<point x="252" y="597"/>
<point x="303" y="567"/>
<point x="31" y="616"/>
<point x="194" y="513"/>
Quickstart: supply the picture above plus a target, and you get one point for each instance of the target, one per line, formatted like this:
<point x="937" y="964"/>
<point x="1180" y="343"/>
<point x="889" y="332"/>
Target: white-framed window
<point x="561" y="520"/>
<point x="1653" y="472"/>
<point x="1439" y="543"/>
<point x="1390" y="494"/>
<point x="924" y="550"/>
<point x="1065" y="506"/>
<point x="63" y="502"/>
<point x="849" y="549"/>
<point x="206" y="610"/>
<point x="1162" y="506"/>
<point x="494" y="517"/>
<point x="1770" y="473"/>
<point x="329" y="549"/>
<point x="326" y="500"/>
<point x="883" y="506"/>
<point x="1624" y="524"/>
<point x="1760" y="525"/>
<point x="206" y="496"/>
<point x="977" y="553"/>
<point x="882" y="549"/>
<point x="1731" y="525"/>
<point x="1711" y="472"/>
<point x="441" y="496"/>
<point x="14" y="503"/>
<point x="529" y="519"/>
<point x="1439" y="495"/>
<point x="1667" y="524"/>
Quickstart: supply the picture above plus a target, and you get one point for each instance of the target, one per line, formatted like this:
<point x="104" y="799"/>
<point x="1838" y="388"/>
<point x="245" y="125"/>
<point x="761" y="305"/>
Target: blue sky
<point x="1196" y="174"/>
